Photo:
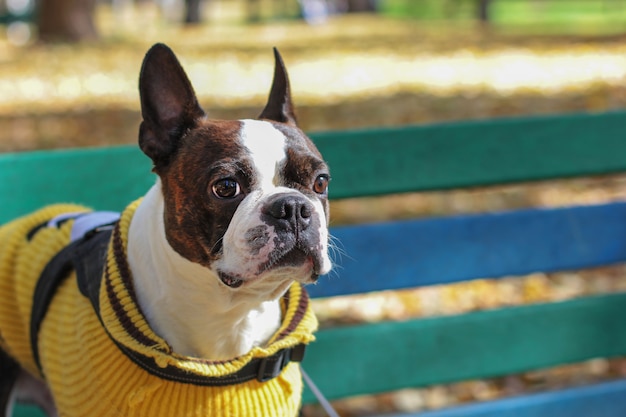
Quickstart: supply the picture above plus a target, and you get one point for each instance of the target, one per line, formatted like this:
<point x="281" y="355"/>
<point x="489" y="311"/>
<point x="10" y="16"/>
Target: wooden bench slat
<point x="443" y="250"/>
<point x="22" y="410"/>
<point x="419" y="158"/>
<point x="103" y="178"/>
<point x="443" y="156"/>
<point x="394" y="355"/>
<point x="606" y="399"/>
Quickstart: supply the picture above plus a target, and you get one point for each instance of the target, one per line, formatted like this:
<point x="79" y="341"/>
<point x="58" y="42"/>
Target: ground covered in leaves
<point x="352" y="72"/>
<point x="356" y="71"/>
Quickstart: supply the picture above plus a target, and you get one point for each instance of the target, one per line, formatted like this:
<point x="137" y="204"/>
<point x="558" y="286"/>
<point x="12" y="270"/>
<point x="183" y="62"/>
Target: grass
<point x="572" y="16"/>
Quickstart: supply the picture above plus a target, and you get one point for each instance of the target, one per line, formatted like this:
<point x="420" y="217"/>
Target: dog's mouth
<point x="294" y="258"/>
<point x="230" y="280"/>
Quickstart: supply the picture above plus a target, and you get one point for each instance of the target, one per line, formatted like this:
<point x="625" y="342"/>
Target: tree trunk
<point x="361" y="6"/>
<point x="254" y="11"/>
<point x="193" y="12"/>
<point x="67" y="20"/>
<point x="483" y="11"/>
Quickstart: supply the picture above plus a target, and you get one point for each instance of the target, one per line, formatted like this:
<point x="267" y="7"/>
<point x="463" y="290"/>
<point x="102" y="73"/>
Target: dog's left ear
<point x="279" y="107"/>
<point x="168" y="104"/>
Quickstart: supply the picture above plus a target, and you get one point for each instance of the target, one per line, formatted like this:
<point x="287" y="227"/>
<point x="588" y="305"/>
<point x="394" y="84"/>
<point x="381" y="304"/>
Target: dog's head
<point x="245" y="198"/>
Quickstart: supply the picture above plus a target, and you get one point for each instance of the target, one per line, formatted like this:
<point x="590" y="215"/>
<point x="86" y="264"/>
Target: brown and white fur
<point x="239" y="211"/>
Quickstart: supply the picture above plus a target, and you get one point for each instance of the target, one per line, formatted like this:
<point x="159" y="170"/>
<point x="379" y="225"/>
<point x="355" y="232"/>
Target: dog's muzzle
<point x="296" y="230"/>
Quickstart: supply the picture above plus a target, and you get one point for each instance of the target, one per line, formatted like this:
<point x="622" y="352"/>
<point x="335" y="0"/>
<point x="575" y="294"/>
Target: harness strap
<point x="87" y="256"/>
<point x="261" y="369"/>
<point x="9" y="371"/>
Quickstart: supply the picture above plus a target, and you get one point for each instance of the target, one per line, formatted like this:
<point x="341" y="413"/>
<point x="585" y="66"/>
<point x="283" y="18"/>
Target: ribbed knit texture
<point x="90" y="375"/>
<point x="21" y="263"/>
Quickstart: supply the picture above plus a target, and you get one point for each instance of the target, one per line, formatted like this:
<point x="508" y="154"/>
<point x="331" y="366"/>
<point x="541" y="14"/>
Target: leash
<point x="328" y="408"/>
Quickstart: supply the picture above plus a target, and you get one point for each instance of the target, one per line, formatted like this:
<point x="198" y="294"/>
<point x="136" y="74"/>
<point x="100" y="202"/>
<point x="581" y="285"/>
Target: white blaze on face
<point x="267" y="148"/>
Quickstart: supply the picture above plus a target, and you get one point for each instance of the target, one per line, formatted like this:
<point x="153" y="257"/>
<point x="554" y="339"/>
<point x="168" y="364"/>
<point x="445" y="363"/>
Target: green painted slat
<point x="27" y="411"/>
<point x="442" y="156"/>
<point x="388" y="356"/>
<point x="368" y="162"/>
<point x="103" y="178"/>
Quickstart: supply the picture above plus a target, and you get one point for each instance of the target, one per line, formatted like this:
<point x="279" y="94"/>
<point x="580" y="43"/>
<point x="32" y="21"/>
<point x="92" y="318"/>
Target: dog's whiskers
<point x="336" y="252"/>
<point x="336" y="249"/>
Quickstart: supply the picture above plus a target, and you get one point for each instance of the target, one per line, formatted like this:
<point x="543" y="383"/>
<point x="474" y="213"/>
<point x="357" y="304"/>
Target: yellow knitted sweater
<point x="82" y="357"/>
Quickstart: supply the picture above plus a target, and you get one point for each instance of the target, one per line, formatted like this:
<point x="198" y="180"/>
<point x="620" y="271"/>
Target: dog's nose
<point x="289" y="212"/>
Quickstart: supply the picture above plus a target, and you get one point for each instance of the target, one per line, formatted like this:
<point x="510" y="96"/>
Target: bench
<point x="386" y="356"/>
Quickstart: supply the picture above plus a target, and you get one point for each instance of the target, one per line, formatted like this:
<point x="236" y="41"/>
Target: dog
<point x="190" y="302"/>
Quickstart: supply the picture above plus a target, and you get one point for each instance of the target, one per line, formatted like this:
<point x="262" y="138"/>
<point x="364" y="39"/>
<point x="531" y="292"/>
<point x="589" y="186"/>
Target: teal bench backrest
<point x="381" y="357"/>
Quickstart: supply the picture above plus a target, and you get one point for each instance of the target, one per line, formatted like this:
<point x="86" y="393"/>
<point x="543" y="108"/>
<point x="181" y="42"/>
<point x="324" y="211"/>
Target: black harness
<point x="87" y="256"/>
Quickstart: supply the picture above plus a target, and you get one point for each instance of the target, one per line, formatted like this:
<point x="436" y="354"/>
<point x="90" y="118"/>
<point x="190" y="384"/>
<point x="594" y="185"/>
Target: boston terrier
<point x="193" y="304"/>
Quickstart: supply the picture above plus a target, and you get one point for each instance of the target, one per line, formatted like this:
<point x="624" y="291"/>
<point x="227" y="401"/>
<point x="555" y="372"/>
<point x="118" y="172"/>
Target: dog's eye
<point x="226" y="188"/>
<point x="320" y="185"/>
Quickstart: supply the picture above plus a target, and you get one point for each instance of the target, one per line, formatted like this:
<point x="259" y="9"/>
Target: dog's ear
<point x="279" y="107"/>
<point x="169" y="106"/>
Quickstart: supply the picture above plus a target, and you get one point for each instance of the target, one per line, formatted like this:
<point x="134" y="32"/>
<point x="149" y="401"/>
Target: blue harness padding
<point x="84" y="222"/>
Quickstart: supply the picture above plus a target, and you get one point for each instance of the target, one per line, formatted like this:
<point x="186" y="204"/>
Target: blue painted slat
<point x="443" y="250"/>
<point x="600" y="400"/>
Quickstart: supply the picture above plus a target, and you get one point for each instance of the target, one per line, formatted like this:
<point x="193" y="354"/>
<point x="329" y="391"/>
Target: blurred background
<point x="67" y="65"/>
<point x="69" y="70"/>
